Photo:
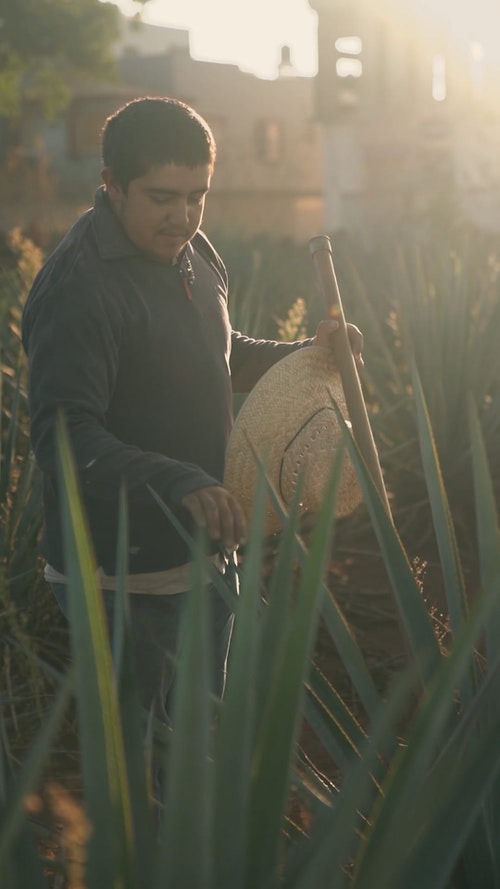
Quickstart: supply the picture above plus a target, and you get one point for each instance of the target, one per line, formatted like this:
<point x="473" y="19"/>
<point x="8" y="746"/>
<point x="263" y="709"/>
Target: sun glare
<point x="474" y="24"/>
<point x="251" y="34"/>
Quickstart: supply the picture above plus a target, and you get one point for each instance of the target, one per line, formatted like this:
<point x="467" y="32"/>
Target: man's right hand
<point x="219" y="513"/>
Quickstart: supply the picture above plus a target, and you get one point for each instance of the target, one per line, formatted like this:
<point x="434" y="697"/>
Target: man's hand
<point x="219" y="513"/>
<point x="325" y="336"/>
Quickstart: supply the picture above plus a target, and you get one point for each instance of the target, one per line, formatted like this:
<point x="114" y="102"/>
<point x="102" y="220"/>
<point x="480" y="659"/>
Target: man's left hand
<point x="325" y="336"/>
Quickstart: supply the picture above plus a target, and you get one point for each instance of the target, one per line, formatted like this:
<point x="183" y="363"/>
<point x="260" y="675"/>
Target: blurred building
<point x="398" y="125"/>
<point x="269" y="173"/>
<point x="410" y="120"/>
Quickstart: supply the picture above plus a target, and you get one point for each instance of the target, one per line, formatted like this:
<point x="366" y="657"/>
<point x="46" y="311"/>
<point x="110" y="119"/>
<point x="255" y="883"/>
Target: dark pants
<point x="155" y="627"/>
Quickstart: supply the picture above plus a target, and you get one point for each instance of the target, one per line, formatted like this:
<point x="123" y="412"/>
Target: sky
<point x="249" y="33"/>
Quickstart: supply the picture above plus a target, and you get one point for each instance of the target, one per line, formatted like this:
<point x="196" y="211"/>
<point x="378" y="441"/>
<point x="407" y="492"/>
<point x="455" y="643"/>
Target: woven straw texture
<point x="288" y="419"/>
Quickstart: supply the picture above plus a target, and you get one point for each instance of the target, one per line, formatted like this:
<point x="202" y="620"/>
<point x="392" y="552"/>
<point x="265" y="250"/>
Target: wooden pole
<point x="321" y="250"/>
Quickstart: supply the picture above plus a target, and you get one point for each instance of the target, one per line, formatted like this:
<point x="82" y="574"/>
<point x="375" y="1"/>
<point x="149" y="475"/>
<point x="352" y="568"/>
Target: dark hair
<point x="150" y="132"/>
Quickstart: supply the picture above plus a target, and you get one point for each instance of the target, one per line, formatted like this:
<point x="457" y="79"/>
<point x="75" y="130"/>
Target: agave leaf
<point x="326" y="858"/>
<point x="293" y="549"/>
<point x="488" y="533"/>
<point x="488" y="537"/>
<point x="237" y="725"/>
<point x="378" y="343"/>
<point x="281" y="582"/>
<point x="24" y="867"/>
<point x="413" y="614"/>
<point x="450" y="562"/>
<point x="333" y="847"/>
<point x="278" y="730"/>
<point x="131" y="710"/>
<point x="437" y="828"/>
<point x="443" y="524"/>
<point x="350" y="653"/>
<point x="110" y="855"/>
<point x="331" y="613"/>
<point x="121" y="614"/>
<point x="185" y="853"/>
<point x="392" y="813"/>
<point x="331" y="720"/>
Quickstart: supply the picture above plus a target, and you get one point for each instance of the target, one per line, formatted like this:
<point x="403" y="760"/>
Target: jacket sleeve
<point x="251" y="358"/>
<point x="72" y="337"/>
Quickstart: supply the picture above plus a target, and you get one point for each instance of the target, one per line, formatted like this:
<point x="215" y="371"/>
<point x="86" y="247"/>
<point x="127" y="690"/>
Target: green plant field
<point x="407" y="791"/>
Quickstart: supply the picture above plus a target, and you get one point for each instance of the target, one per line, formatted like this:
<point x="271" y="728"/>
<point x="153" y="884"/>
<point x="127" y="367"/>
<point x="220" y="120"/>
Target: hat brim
<point x="288" y="420"/>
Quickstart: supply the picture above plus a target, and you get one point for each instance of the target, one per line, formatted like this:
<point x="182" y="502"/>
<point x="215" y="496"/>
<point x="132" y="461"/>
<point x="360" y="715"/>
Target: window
<point x="349" y="46"/>
<point x="347" y="64"/>
<point x="349" y="69"/>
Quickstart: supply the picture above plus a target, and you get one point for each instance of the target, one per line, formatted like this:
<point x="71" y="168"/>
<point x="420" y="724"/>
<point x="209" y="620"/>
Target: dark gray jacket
<point x="141" y="358"/>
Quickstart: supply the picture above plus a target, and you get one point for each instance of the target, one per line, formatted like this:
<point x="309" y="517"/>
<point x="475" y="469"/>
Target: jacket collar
<point x="112" y="241"/>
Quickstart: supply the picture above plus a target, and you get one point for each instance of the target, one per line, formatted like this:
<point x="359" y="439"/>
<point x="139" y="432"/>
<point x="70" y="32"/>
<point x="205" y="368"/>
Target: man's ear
<point x="113" y="188"/>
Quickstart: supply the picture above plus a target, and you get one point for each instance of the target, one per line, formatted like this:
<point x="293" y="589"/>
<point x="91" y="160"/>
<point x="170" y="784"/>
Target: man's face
<point x="162" y="209"/>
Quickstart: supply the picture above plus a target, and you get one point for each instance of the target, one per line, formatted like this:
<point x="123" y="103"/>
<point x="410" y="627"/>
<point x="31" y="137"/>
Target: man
<point x="126" y="330"/>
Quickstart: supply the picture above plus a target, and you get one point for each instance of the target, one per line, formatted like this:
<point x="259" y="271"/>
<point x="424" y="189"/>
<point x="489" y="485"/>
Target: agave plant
<point x="407" y="791"/>
<point x="267" y="277"/>
<point x="434" y="302"/>
<point x="415" y="801"/>
<point x="20" y="511"/>
<point x="27" y="625"/>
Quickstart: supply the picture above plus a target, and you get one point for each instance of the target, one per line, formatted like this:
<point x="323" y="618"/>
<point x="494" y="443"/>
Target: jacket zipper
<point x="187" y="277"/>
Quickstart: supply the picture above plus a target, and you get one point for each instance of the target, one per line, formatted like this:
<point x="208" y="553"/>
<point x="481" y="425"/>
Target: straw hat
<point x="289" y="420"/>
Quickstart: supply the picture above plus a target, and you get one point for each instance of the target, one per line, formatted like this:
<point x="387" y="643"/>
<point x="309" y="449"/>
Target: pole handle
<point x="321" y="251"/>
